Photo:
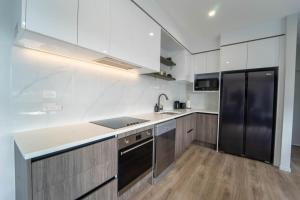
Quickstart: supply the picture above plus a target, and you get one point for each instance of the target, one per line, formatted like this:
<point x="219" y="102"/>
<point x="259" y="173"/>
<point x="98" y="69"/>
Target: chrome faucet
<point x="160" y="107"/>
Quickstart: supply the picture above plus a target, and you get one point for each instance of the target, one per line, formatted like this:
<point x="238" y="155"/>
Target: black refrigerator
<point x="248" y="113"/>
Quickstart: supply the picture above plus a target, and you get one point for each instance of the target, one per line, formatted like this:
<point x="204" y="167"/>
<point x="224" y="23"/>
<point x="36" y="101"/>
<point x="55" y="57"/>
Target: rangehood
<point x="116" y="63"/>
<point x="39" y="42"/>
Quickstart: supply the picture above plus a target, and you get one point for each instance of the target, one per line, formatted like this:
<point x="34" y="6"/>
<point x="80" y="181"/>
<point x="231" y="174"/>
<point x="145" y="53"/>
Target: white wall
<point x="6" y="142"/>
<point x="296" y="123"/>
<point x="290" y="66"/>
<point x="203" y="100"/>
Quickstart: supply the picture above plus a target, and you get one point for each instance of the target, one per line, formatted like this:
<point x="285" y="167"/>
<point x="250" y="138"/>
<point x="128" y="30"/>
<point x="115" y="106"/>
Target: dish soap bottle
<point x="156" y="108"/>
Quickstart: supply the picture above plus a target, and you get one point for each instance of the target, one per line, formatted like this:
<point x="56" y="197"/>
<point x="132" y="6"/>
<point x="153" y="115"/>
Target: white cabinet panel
<point x="213" y="61"/>
<point x="135" y="37"/>
<point x="234" y="57"/>
<point x="263" y="53"/>
<point x="54" y="18"/>
<point x="93" y="25"/>
<point x="181" y="70"/>
<point x="189" y="66"/>
<point x="199" y="63"/>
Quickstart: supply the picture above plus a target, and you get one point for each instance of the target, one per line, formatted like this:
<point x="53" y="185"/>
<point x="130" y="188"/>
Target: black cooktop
<point x="116" y="123"/>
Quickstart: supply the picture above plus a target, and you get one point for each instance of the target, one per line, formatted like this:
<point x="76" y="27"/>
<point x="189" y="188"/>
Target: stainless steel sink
<point x="169" y="113"/>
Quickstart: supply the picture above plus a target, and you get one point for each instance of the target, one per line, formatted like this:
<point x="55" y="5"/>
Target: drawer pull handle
<point x="190" y="130"/>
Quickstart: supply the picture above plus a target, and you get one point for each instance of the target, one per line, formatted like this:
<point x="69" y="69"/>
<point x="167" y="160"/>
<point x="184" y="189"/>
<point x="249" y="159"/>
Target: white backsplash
<point x="203" y="100"/>
<point x="80" y="91"/>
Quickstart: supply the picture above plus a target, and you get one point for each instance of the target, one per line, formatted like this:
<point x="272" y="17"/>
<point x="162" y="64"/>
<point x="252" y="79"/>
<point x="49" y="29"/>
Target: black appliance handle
<point x="133" y="148"/>
<point x="190" y="130"/>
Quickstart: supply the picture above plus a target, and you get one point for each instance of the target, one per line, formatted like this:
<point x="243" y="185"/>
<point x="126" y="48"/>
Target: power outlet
<point x="52" y="107"/>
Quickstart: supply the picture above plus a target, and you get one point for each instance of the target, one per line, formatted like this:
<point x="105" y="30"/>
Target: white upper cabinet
<point x="94" y="25"/>
<point x="263" y="53"/>
<point x="134" y="36"/>
<point x="234" y="57"/>
<point x="205" y="63"/>
<point x="181" y="70"/>
<point x="54" y="18"/>
<point x="199" y="63"/>
<point x="213" y="61"/>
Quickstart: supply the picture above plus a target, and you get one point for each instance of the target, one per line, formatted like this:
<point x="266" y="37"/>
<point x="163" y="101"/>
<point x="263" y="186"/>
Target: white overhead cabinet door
<point x="181" y="70"/>
<point x="134" y="36"/>
<point x="213" y="61"/>
<point x="54" y="18"/>
<point x="199" y="63"/>
<point x="93" y="25"/>
<point x="263" y="53"/>
<point x="234" y="57"/>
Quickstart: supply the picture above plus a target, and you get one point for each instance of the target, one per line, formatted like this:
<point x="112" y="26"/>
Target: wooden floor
<point x="295" y="160"/>
<point x="203" y="174"/>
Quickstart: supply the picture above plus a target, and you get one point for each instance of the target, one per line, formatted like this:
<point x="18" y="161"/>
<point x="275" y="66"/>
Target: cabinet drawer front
<point x="107" y="192"/>
<point x="72" y="174"/>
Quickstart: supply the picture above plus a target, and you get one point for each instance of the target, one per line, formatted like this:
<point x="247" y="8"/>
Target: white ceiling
<point x="191" y="16"/>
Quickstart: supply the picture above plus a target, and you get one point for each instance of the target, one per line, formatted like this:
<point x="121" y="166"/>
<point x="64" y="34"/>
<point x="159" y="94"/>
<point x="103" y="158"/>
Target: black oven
<point x="135" y="158"/>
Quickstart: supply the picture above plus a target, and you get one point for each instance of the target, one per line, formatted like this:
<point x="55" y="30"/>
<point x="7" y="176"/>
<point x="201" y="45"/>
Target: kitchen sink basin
<point x="169" y="113"/>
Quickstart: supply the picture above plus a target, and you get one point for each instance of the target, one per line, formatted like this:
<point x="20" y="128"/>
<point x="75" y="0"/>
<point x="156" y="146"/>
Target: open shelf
<point x="167" y="61"/>
<point x="164" y="77"/>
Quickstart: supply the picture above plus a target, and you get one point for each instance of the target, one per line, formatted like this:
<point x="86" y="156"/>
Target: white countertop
<point x="41" y="142"/>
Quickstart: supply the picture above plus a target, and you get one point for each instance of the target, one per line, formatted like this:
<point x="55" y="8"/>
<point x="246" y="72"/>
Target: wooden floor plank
<point x="203" y="174"/>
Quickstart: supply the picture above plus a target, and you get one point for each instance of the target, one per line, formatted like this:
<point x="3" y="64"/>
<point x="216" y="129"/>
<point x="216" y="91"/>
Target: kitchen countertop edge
<point x="114" y="132"/>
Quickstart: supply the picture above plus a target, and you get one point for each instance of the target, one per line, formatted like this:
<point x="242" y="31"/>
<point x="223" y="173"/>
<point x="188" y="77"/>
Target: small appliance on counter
<point x="182" y="106"/>
<point x="188" y="104"/>
<point x="179" y="105"/>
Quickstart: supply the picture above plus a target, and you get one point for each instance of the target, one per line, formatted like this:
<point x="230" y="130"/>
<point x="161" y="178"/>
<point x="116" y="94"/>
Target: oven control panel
<point x="135" y="138"/>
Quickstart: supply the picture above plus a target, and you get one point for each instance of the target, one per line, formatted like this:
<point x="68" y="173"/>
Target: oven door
<point x="135" y="161"/>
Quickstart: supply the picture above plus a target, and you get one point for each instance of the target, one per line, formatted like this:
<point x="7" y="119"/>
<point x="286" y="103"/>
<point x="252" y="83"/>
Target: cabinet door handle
<point x="190" y="130"/>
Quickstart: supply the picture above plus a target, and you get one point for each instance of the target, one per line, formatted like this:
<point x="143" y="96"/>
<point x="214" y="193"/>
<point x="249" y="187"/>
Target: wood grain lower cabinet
<point x="67" y="175"/>
<point x="207" y="128"/>
<point x="189" y="130"/>
<point x="185" y="133"/>
<point x="107" y="192"/>
<point x="179" y="139"/>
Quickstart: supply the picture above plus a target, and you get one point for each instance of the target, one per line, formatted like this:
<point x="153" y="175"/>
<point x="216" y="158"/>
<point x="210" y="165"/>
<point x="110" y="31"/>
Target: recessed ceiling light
<point x="151" y="34"/>
<point x="227" y="62"/>
<point x="212" y="13"/>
